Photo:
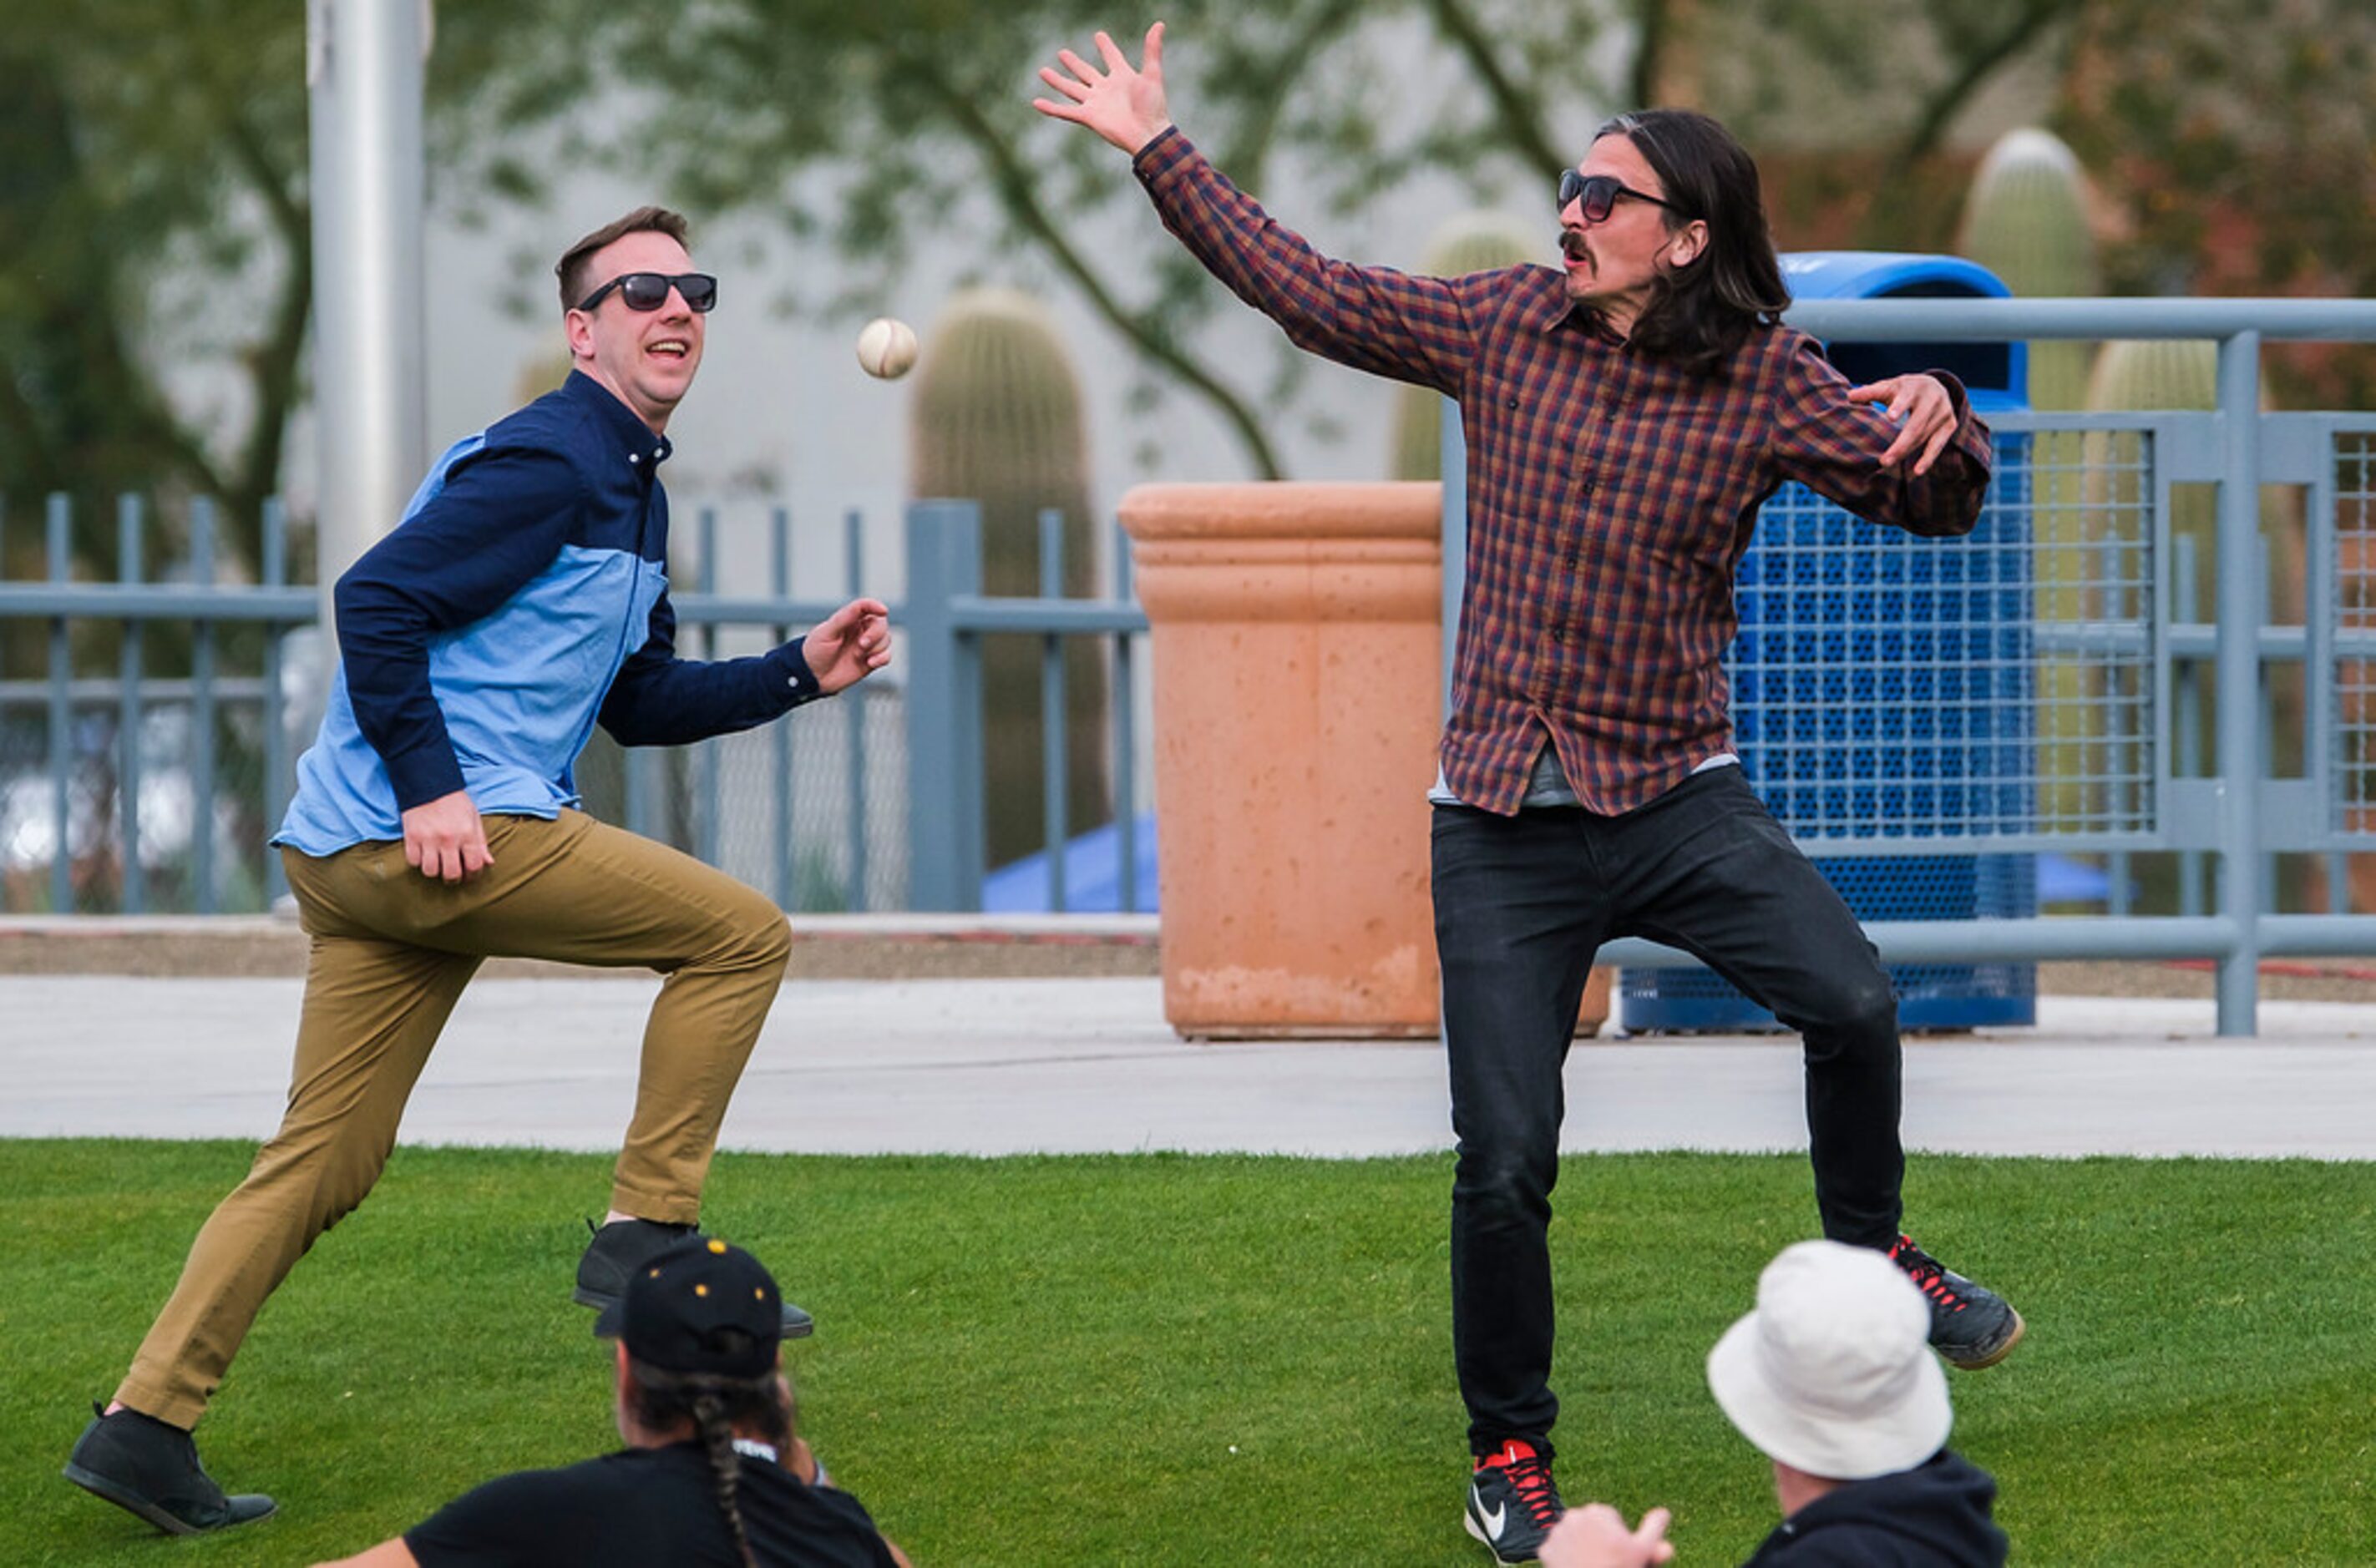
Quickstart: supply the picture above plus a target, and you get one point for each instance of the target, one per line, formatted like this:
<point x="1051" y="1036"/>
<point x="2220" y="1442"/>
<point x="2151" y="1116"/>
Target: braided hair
<point x="716" y="1405"/>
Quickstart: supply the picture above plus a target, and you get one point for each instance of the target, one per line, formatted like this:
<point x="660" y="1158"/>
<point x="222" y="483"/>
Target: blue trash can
<point x="1885" y="680"/>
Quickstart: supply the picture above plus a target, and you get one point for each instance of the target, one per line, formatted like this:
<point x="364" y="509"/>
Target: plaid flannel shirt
<point x="1610" y="495"/>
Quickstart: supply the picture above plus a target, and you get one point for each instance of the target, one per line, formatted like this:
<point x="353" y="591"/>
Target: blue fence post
<point x="201" y="712"/>
<point x="704" y="755"/>
<point x="854" y="554"/>
<point x="943" y="707"/>
<point x="2239" y="677"/>
<point x="779" y="587"/>
<point x="277" y="783"/>
<point x="127" y="723"/>
<point x="2186" y="687"/>
<point x="60" y="540"/>
<point x="1125" y="741"/>
<point x="1055" y="774"/>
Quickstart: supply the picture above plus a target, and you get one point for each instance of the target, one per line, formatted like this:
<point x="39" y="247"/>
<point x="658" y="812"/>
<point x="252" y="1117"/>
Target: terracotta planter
<point x="1297" y="705"/>
<point x="1297" y="670"/>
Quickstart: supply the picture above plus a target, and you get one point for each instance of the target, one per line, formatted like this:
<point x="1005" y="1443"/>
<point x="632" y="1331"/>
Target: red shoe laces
<point x="1928" y="1273"/>
<point x="1531" y="1480"/>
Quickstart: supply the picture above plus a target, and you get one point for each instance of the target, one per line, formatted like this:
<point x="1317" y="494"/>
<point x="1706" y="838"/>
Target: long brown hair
<point x="1699" y="313"/>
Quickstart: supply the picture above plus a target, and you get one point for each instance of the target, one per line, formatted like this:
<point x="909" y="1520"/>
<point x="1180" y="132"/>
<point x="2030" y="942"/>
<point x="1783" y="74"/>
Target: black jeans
<point x="1522" y="903"/>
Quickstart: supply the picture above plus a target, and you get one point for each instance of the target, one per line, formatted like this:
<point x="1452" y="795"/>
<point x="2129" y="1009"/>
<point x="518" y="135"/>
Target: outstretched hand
<point x="849" y="645"/>
<point x="1920" y="405"/>
<point x="1121" y="103"/>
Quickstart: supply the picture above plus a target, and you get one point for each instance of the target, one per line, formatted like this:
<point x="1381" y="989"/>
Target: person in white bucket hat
<point x="1832" y="1379"/>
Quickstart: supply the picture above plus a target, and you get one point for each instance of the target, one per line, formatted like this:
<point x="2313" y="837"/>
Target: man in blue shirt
<point x="522" y="600"/>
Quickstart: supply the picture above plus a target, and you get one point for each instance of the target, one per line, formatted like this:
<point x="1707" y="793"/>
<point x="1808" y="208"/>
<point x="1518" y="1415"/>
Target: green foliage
<point x="998" y="420"/>
<point x="153" y="206"/>
<point x="886" y="127"/>
<point x="1193" y="1360"/>
<point x="1469" y="242"/>
<point x="151" y="219"/>
<point x="2235" y="143"/>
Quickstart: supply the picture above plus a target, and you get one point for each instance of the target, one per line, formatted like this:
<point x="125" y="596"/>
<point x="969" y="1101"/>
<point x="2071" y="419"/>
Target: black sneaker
<point x="1512" y="1503"/>
<point x="1970" y="1325"/>
<point x="148" y="1467"/>
<point x="623" y="1246"/>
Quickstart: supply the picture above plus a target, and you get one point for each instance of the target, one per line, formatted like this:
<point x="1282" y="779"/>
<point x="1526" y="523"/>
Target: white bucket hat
<point x="1832" y="1373"/>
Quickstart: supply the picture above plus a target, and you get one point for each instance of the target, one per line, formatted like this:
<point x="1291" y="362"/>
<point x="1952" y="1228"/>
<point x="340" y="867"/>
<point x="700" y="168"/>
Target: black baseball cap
<point x="702" y="1306"/>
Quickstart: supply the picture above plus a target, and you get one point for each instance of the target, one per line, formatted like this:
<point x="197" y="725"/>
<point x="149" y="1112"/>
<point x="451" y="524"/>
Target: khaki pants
<point x="391" y="953"/>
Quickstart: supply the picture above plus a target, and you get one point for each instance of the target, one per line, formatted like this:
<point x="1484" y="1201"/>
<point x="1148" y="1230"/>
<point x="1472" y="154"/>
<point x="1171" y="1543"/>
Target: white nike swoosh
<point x="1494" y="1522"/>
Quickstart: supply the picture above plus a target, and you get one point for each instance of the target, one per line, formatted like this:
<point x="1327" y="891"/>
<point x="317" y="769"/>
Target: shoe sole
<point x="799" y="1328"/>
<point x="132" y="1503"/>
<point x="1487" y="1542"/>
<point x="1982" y="1364"/>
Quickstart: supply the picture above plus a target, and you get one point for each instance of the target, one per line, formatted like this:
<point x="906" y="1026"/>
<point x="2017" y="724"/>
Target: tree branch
<point x="1013" y="183"/>
<point x="1941" y="111"/>
<point x="273" y="363"/>
<point x="1246" y="153"/>
<point x="1521" y="118"/>
<point x="1649" y="56"/>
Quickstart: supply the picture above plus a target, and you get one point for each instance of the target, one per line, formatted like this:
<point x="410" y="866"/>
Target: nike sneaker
<point x="1971" y="1325"/>
<point x="1512" y="1503"/>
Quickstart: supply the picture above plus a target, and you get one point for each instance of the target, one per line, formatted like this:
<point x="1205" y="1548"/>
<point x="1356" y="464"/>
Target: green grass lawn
<point x="1213" y="1361"/>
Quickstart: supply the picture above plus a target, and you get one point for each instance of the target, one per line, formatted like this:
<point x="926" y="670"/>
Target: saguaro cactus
<point x="998" y="420"/>
<point x="1471" y="241"/>
<point x="2026" y="220"/>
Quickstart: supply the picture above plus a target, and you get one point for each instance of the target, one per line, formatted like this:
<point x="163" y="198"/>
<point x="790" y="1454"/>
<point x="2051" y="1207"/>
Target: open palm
<point x="1123" y="104"/>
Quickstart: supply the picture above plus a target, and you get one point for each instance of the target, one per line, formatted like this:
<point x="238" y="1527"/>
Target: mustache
<point x="1571" y="245"/>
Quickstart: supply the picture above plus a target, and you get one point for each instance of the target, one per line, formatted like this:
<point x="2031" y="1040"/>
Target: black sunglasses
<point x="649" y="291"/>
<point x="1599" y="194"/>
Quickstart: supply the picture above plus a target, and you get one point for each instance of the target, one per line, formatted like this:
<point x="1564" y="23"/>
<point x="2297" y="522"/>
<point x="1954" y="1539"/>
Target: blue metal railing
<point x="2234" y="813"/>
<point x="95" y="850"/>
<point x="2223" y="810"/>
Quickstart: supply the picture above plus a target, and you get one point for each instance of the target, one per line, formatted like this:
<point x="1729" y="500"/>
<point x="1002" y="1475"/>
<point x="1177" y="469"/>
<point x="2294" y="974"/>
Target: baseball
<point x="887" y="347"/>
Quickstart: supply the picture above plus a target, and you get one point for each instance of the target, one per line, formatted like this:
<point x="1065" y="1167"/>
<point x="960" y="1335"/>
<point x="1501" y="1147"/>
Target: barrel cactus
<point x="998" y="419"/>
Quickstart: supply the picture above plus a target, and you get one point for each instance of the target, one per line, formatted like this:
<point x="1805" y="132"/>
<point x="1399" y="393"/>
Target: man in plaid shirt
<point x="1626" y="416"/>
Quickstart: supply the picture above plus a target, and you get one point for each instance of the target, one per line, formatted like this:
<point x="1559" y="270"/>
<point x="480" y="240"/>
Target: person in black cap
<point x="712" y="1472"/>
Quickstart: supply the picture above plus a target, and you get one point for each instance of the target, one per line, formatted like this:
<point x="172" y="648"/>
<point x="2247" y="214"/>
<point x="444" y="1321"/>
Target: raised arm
<point x="1391" y="324"/>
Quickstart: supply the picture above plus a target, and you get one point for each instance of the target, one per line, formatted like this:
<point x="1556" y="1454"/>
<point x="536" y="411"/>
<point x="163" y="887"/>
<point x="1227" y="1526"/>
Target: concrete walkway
<point x="1008" y="1066"/>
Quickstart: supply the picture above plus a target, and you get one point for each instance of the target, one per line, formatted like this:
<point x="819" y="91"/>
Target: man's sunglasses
<point x="649" y="291"/>
<point x="1597" y="193"/>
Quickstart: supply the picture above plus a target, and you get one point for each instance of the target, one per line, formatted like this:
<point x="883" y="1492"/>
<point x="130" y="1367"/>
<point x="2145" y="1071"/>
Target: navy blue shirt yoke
<point x="523" y="597"/>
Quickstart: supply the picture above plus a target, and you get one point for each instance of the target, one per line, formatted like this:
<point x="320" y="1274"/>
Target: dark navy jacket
<point x="523" y="597"/>
<point x="1934" y="1515"/>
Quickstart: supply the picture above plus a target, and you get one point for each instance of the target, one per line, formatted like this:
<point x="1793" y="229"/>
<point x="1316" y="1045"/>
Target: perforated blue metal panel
<point x="1883" y="682"/>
